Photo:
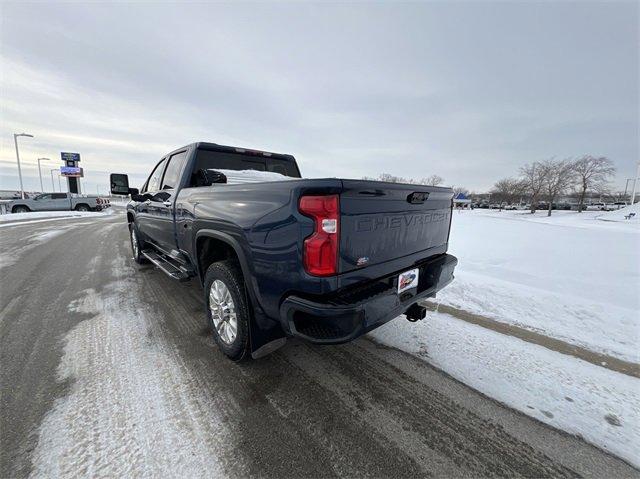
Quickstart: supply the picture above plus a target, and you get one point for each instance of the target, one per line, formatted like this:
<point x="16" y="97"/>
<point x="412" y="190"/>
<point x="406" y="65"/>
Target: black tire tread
<point x="229" y="272"/>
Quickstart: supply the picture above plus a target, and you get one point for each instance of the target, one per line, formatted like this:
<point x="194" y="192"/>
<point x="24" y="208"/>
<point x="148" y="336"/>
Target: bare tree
<point x="508" y="190"/>
<point x="433" y="180"/>
<point x="557" y="178"/>
<point x="592" y="174"/>
<point x="533" y="179"/>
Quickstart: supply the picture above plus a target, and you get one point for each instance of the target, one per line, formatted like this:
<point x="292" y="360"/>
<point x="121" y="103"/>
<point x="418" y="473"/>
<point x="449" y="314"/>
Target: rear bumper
<point x="342" y="317"/>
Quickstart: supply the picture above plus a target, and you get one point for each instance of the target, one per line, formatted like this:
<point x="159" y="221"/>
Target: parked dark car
<point x="326" y="260"/>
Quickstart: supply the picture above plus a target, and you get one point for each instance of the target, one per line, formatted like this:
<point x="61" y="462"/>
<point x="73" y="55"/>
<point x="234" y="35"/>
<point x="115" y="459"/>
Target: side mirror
<point x="205" y="177"/>
<point x="119" y="184"/>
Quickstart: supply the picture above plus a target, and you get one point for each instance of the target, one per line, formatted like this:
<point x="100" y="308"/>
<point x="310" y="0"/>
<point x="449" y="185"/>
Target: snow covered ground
<point x="570" y="276"/>
<point x="35" y="215"/>
<point x="573" y="276"/>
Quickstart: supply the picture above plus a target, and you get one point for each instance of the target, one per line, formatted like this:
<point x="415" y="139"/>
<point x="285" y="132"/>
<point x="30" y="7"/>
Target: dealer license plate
<point x="408" y="280"/>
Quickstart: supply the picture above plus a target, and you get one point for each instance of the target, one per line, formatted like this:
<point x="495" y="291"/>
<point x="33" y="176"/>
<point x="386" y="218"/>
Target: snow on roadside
<point x="568" y="318"/>
<point x="570" y="276"/>
<point x="600" y="405"/>
<point x="132" y="410"/>
<point x="13" y="217"/>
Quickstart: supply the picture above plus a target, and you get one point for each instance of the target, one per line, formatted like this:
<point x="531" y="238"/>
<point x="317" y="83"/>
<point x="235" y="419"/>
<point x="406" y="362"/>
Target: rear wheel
<point x="20" y="209"/>
<point x="227" y="309"/>
<point x="82" y="207"/>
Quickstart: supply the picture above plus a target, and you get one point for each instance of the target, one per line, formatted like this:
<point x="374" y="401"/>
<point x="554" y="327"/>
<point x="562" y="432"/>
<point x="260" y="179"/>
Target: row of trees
<point x="549" y="179"/>
<point x="541" y="180"/>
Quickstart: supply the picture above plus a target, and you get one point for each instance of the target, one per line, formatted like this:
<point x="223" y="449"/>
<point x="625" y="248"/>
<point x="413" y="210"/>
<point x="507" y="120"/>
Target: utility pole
<point x="40" y="172"/>
<point x="635" y="184"/>
<point x="15" y="141"/>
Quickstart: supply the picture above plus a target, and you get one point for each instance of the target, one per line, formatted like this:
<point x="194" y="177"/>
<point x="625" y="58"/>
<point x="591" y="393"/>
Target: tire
<point x="82" y="207"/>
<point x="136" y="244"/>
<point x="20" y="209"/>
<point x="222" y="278"/>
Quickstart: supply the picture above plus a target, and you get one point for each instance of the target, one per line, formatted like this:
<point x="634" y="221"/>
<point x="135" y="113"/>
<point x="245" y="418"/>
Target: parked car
<point x="325" y="260"/>
<point x="597" y="207"/>
<point x="615" y="206"/>
<point x="57" y="202"/>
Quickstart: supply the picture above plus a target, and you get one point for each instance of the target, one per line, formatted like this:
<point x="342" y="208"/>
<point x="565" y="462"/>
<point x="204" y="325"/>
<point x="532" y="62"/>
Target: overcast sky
<point x="469" y="91"/>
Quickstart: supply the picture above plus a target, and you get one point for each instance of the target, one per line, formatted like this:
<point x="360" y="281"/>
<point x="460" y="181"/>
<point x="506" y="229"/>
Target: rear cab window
<point x="224" y="160"/>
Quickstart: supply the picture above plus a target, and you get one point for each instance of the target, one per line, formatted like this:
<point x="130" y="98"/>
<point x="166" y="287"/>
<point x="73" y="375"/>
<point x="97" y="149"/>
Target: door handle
<point x="166" y="203"/>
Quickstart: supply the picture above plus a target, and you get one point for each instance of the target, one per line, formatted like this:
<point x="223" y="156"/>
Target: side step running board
<point x="166" y="266"/>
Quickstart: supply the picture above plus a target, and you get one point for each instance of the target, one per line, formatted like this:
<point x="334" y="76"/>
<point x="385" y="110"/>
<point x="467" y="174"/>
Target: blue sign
<point x="72" y="171"/>
<point x="70" y="156"/>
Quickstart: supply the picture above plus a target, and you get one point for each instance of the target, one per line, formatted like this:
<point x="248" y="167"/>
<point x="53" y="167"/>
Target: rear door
<point x="60" y="201"/>
<point x="382" y="222"/>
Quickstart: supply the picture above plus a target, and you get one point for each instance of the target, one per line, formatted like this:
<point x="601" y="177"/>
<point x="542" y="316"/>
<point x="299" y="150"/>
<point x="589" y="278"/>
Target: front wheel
<point x="20" y="209"/>
<point x="227" y="309"/>
<point x="82" y="208"/>
<point x="136" y="245"/>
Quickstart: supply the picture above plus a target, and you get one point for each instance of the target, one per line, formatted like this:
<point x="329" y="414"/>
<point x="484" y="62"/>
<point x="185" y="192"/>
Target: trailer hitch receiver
<point x="415" y="312"/>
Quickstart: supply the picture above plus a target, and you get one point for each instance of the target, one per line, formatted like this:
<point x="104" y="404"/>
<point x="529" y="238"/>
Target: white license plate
<point x="408" y="280"/>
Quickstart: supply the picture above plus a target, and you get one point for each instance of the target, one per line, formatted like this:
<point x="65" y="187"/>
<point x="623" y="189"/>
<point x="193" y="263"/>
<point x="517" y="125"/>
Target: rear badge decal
<point x="362" y="261"/>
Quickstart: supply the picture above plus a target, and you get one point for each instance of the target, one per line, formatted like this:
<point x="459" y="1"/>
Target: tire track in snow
<point x="132" y="409"/>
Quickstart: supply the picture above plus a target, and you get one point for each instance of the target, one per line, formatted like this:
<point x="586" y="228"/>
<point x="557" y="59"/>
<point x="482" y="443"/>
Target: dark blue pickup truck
<point x="325" y="260"/>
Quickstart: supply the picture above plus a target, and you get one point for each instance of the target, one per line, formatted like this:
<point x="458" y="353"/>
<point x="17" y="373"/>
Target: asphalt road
<point x="108" y="370"/>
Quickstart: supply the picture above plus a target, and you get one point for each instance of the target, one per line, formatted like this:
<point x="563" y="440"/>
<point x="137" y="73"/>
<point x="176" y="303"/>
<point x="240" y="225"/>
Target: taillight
<point x="320" y="255"/>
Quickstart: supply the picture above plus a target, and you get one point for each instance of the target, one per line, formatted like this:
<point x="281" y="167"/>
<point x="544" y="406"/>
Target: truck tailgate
<point x="382" y="221"/>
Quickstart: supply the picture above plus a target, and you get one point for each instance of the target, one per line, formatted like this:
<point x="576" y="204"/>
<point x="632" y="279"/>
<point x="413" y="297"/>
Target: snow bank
<point x="568" y="276"/>
<point x="12" y="217"/>
<point x="600" y="405"/>
<point x="235" y="177"/>
<point x="619" y="215"/>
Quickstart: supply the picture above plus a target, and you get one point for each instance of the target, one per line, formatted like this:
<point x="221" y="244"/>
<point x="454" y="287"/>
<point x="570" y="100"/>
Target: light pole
<point x="40" y="172"/>
<point x="53" y="186"/>
<point x="15" y="140"/>
<point x="635" y="185"/>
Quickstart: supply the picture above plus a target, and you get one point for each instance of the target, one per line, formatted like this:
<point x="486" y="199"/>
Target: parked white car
<point x="597" y="207"/>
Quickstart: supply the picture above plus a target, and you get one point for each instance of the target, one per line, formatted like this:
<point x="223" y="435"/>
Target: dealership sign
<point x="75" y="157"/>
<point x="71" y="171"/>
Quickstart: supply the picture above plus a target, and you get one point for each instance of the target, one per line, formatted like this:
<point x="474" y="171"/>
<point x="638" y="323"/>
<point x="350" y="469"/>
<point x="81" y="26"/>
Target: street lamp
<point x="40" y="172"/>
<point x="53" y="187"/>
<point x="15" y="140"/>
<point x="635" y="185"/>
